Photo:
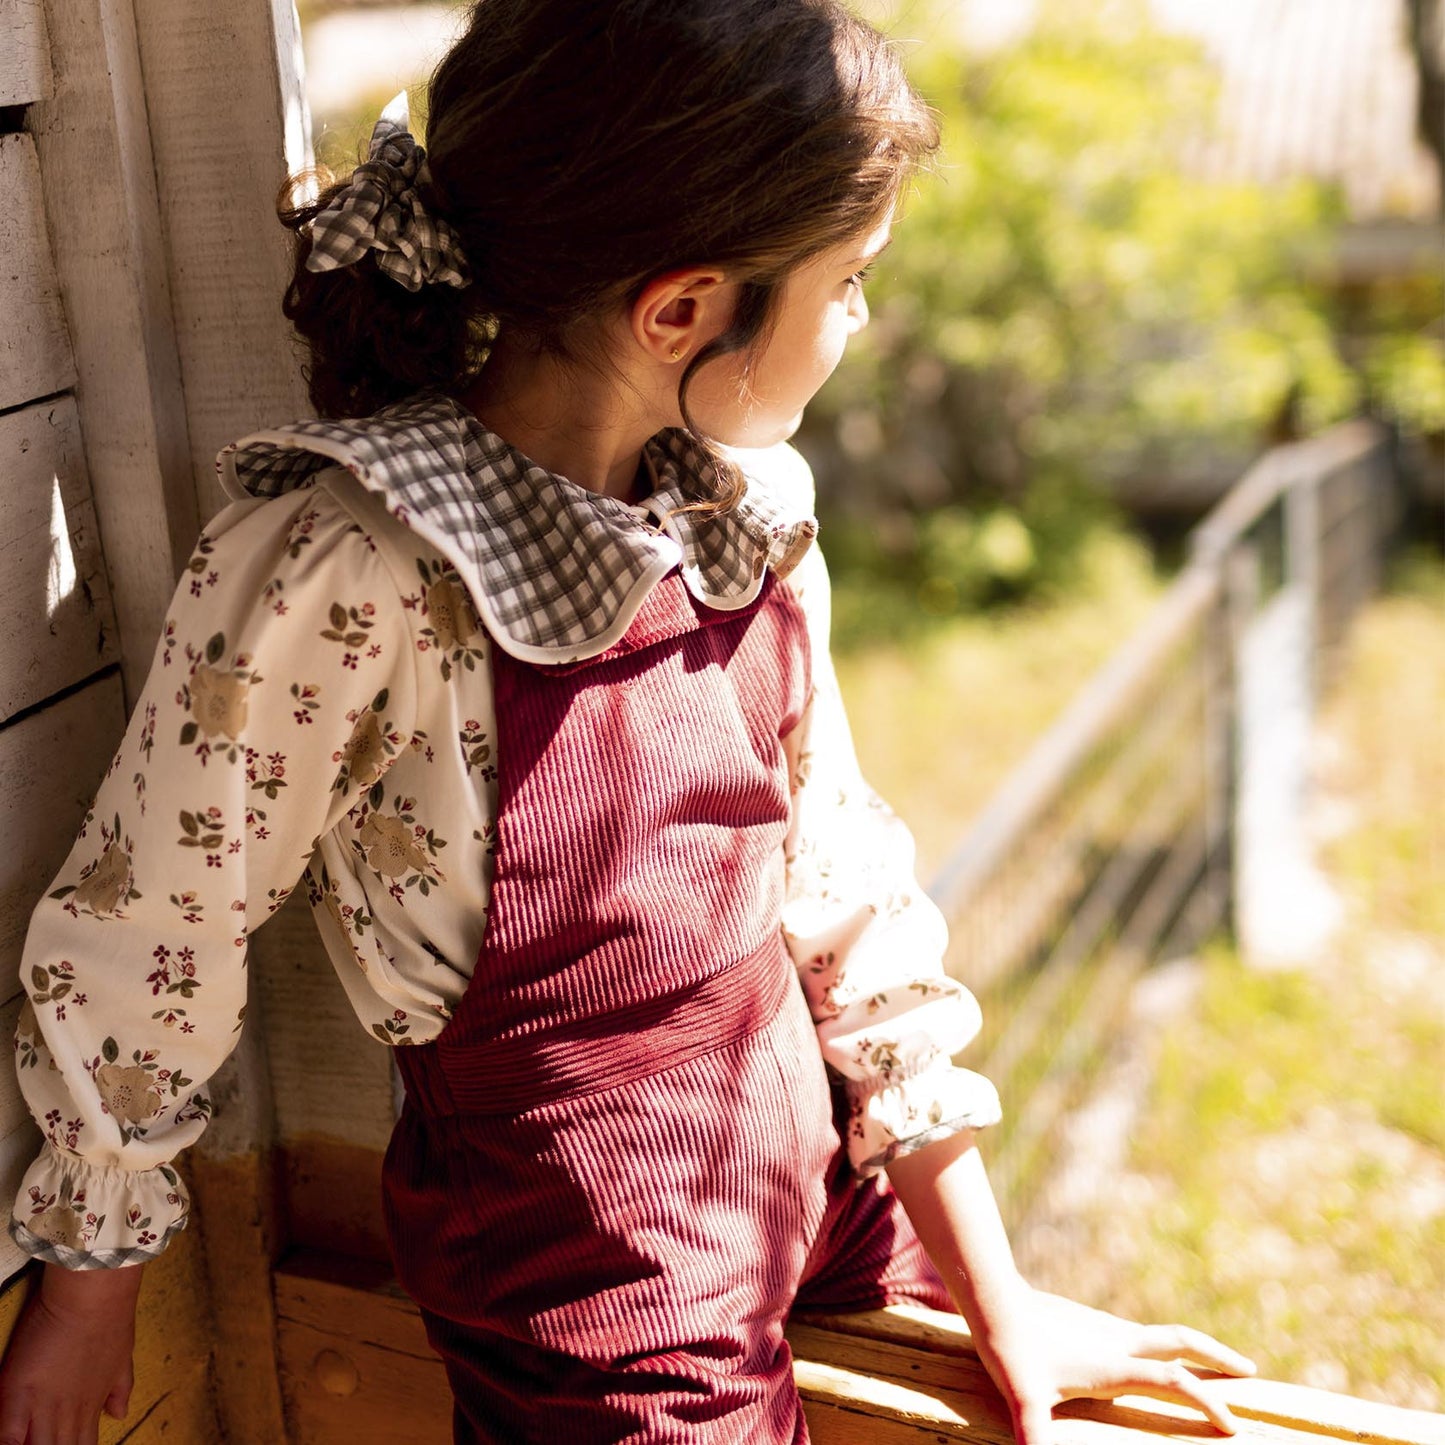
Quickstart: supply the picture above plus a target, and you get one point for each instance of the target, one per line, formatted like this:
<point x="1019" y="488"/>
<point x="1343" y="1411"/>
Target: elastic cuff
<point x="911" y="1145"/>
<point x="912" y="1113"/>
<point x="71" y="1212"/>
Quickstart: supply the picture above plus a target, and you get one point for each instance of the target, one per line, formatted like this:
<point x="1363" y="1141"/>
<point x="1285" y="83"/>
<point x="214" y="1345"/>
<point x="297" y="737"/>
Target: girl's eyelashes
<point x="859" y="277"/>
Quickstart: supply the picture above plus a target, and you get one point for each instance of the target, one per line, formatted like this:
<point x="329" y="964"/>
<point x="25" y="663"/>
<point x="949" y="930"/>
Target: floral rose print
<point x="476" y="746"/>
<point x="176" y="973"/>
<point x="201" y="829"/>
<point x="305" y="694"/>
<point x="393" y="1030"/>
<point x="451" y="628"/>
<point x="396" y="845"/>
<point x="128" y="1093"/>
<point x="391" y="846"/>
<point x="102" y="889"/>
<point x="350" y="625"/>
<point x="52" y="983"/>
<point x="322" y="891"/>
<point x="134" y="1093"/>
<point x="105" y="882"/>
<point x="60" y="1224"/>
<point x="363" y="756"/>
<point x="218" y="701"/>
<point x="299" y="535"/>
<point x="451" y="613"/>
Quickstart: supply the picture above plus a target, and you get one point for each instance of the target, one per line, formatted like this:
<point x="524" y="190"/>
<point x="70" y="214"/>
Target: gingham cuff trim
<point x="95" y="1258"/>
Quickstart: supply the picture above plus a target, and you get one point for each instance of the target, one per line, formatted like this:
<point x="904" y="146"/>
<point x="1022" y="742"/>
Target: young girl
<point x="519" y="655"/>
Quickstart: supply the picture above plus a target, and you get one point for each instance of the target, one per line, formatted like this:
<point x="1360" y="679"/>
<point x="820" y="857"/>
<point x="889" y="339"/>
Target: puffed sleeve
<point x="867" y="940"/>
<point x="282" y="686"/>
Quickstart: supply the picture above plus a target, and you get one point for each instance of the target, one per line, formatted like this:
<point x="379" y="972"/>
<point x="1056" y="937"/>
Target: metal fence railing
<point x="1161" y="803"/>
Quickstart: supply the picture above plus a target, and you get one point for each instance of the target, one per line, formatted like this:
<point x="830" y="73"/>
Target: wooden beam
<point x="358" y="1371"/>
<point x="24" y="54"/>
<point x="219" y="167"/>
<point x="98" y="180"/>
<point x="51" y="764"/>
<point x="34" y="348"/>
<point x="354" y="1358"/>
<point x="234" y="1176"/>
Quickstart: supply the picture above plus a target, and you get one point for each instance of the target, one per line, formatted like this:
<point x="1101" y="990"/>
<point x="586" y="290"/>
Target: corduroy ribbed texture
<point x="619" y="1168"/>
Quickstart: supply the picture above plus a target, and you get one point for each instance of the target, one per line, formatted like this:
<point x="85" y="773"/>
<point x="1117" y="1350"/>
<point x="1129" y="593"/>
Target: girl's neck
<point x="572" y="419"/>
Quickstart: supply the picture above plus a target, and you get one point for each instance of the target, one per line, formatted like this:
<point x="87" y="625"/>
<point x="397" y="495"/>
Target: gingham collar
<point x="557" y="572"/>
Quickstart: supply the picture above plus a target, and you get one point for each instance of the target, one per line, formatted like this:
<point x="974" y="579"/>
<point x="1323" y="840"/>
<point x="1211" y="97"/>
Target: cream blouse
<point x="319" y="710"/>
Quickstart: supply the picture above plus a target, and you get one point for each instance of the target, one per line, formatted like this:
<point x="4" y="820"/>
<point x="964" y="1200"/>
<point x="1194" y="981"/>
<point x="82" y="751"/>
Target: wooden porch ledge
<point x="357" y="1370"/>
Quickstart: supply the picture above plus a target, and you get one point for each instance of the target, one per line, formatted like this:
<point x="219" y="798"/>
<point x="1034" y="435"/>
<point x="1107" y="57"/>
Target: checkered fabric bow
<point x="379" y="210"/>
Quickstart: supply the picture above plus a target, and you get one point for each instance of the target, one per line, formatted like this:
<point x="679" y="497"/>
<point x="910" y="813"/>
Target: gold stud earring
<point x="676" y="352"/>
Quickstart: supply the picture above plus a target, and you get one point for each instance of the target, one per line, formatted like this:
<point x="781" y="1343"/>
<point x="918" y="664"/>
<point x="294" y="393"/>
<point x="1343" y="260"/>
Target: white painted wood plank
<point x="18" y="1148"/>
<point x="13" y="1110"/>
<point x="53" y="586"/>
<point x="34" y="348"/>
<point x="51" y="765"/>
<point x="24" y="53"/>
<point x="219" y="170"/>
<point x="98" y="179"/>
<point x="20" y="1137"/>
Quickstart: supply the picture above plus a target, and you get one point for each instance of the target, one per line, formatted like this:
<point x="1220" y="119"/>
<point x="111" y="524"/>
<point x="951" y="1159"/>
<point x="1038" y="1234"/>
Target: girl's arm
<point x="867" y="940"/>
<point x="1041" y="1349"/>
<point x="282" y="686"/>
<point x="869" y="945"/>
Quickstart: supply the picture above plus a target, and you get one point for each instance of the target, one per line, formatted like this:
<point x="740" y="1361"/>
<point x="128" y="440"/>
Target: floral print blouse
<point x="319" y="714"/>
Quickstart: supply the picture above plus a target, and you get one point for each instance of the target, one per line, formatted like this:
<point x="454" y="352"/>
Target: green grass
<point x="941" y="719"/>
<point x="1286" y="1189"/>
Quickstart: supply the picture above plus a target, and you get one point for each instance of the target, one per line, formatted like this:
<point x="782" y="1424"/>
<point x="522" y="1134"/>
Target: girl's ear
<point x="680" y="311"/>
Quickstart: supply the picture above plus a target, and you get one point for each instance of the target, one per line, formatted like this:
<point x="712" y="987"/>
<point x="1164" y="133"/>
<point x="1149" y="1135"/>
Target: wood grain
<point x="220" y="167"/>
<point x="51" y="765"/>
<point x="97" y="173"/>
<point x="24" y="53"/>
<point x="35" y="354"/>
<point x="355" y="1361"/>
<point x="53" y="586"/>
<point x="330" y="1079"/>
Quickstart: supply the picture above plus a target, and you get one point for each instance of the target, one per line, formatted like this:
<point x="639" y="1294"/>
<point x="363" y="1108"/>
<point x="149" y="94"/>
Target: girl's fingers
<point x="42" y="1428"/>
<point x="14" y="1419"/>
<point x="1170" y="1382"/>
<point x="1034" y="1425"/>
<point x="1180" y="1342"/>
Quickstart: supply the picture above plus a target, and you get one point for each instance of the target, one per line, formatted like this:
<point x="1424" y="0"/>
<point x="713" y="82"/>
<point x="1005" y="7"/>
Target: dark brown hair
<point x="581" y="149"/>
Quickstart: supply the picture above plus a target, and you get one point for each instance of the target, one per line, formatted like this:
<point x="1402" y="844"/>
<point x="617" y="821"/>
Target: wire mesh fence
<point x="1123" y="836"/>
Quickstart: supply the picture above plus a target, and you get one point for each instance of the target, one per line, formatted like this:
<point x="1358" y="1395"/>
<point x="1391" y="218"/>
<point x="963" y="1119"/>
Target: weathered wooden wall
<point x="140" y="330"/>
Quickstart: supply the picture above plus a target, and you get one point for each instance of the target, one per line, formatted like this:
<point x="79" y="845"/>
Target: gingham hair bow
<point x="379" y="210"/>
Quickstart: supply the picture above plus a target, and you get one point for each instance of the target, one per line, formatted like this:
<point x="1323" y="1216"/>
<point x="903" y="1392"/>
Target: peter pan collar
<point x="557" y="572"/>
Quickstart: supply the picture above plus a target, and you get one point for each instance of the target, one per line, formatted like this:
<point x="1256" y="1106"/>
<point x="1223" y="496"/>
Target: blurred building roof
<point x="1325" y="88"/>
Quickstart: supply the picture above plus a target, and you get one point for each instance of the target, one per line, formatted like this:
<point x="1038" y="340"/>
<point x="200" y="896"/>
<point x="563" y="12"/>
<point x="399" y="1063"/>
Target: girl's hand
<point x="1043" y="1349"/>
<point x="70" y="1357"/>
<point x="1039" y="1348"/>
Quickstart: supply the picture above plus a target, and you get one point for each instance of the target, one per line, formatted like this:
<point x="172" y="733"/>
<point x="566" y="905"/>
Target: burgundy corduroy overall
<point x="618" y="1168"/>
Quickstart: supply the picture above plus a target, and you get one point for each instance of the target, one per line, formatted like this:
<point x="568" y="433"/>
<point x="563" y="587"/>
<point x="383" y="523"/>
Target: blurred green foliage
<point x="1065" y="306"/>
